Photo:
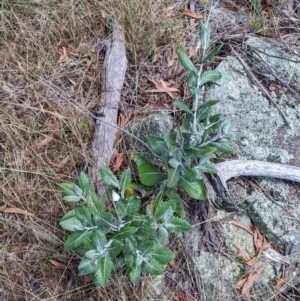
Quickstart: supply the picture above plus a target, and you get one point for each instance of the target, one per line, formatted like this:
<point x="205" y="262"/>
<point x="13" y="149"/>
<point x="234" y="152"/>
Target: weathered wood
<point x="237" y="168"/>
<point x="216" y="183"/>
<point x="112" y="79"/>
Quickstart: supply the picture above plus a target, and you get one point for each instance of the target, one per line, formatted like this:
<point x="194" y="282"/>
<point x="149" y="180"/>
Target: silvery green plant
<point x="109" y="237"/>
<point x="185" y="154"/>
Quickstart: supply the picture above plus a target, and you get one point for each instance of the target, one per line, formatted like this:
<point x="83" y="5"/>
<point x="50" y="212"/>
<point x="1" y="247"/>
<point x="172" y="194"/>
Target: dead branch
<point x="216" y="183"/>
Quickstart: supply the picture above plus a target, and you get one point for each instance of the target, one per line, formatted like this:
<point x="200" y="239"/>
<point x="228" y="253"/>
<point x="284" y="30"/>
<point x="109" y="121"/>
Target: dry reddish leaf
<point x="87" y="279"/>
<point x="279" y="283"/>
<point x="61" y="164"/>
<point x="174" y="57"/>
<point x="61" y="266"/>
<point x="2" y="207"/>
<point x="183" y="296"/>
<point x="20" y="248"/>
<point x="259" y="240"/>
<point x="243" y="226"/>
<point x="173" y="265"/>
<point x="45" y="141"/>
<point x="17" y="211"/>
<point x="250" y="280"/>
<point x="3" y="235"/>
<point x="240" y="283"/>
<point x="63" y="56"/>
<point x="123" y="120"/>
<point x="242" y="251"/>
<point x="252" y="261"/>
<point x="118" y="162"/>
<point x="191" y="52"/>
<point x="192" y="15"/>
<point x="54" y="283"/>
<point x="162" y="87"/>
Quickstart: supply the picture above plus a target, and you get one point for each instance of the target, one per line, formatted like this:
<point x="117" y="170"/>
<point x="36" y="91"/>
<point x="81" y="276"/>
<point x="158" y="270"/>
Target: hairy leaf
<point x="99" y="239"/>
<point x="106" y="221"/>
<point x="195" y="189"/>
<point x="102" y="273"/>
<point x="83" y="214"/>
<point x="185" y="60"/>
<point x="140" y="159"/>
<point x="125" y="232"/>
<point x="209" y="76"/>
<point x="135" y="273"/>
<point x="72" y="224"/>
<point x="223" y="147"/>
<point x="152" y="267"/>
<point x="176" y="225"/>
<point x="207" y="168"/>
<point x="182" y="106"/>
<point x="75" y="239"/>
<point x="162" y="255"/>
<point x="108" y="177"/>
<point x="125" y="180"/>
<point x="86" y="266"/>
<point x="204" y="33"/>
<point x="173" y="176"/>
<point x="114" y="248"/>
<point x="212" y="53"/>
<point x="150" y="174"/>
<point x="165" y="211"/>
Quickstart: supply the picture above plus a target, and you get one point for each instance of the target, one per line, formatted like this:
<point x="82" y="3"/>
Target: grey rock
<point x="153" y="124"/>
<point x="275" y="208"/>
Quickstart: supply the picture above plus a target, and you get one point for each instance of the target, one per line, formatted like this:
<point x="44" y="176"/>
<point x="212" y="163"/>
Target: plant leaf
<point x="150" y="174"/>
<point x="165" y="211"/>
<point x="163" y="255"/>
<point x="72" y="224"/>
<point x="195" y="189"/>
<point x="125" y="180"/>
<point x="75" y="239"/>
<point x="139" y="159"/>
<point x="135" y="273"/>
<point x="114" y="248"/>
<point x="130" y="245"/>
<point x="158" y="146"/>
<point x="212" y="53"/>
<point x="108" y="177"/>
<point x="173" y="176"/>
<point x="99" y="239"/>
<point x="182" y="106"/>
<point x="185" y="60"/>
<point x="204" y="33"/>
<point x="106" y="221"/>
<point x="125" y="232"/>
<point x="152" y="267"/>
<point x="223" y="147"/>
<point x="103" y="271"/>
<point x="86" y="266"/>
<point x="210" y="76"/>
<point x="176" y="225"/>
<point x="71" y="198"/>
<point x="83" y="181"/>
<point x="83" y="214"/>
<point x="94" y="202"/>
<point x="207" y="168"/>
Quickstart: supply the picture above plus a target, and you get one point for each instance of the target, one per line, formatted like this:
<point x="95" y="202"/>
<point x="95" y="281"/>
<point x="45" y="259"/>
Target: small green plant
<point x="117" y="235"/>
<point x="120" y="234"/>
<point x="185" y="154"/>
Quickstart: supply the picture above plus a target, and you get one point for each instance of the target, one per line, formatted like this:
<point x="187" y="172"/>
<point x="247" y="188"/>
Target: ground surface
<point x="51" y="53"/>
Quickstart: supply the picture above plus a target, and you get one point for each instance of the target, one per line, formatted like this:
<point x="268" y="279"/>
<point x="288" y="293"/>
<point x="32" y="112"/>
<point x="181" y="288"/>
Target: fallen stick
<point x="216" y="183"/>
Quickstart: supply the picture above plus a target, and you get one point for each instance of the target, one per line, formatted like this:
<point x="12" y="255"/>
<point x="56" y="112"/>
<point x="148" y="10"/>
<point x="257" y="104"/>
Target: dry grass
<point x="47" y="47"/>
